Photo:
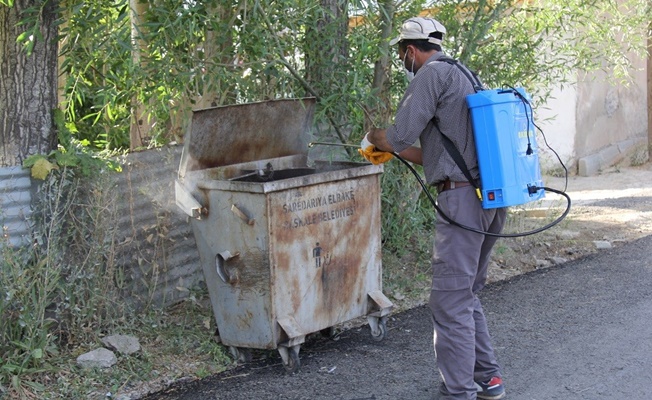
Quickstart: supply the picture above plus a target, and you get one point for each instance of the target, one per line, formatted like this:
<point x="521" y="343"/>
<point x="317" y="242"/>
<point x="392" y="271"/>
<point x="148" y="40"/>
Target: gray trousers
<point x="460" y="260"/>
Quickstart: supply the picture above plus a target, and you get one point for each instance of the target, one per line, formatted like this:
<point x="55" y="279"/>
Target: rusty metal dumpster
<point x="289" y="246"/>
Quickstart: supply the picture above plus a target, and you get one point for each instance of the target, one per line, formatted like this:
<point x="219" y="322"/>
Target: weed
<point x="407" y="214"/>
<point x="408" y="220"/>
<point x="58" y="293"/>
<point x="639" y="156"/>
<point x="559" y="172"/>
<point x="500" y="249"/>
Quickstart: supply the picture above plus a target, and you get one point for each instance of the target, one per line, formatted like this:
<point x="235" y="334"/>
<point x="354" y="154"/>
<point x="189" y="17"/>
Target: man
<point x="433" y="105"/>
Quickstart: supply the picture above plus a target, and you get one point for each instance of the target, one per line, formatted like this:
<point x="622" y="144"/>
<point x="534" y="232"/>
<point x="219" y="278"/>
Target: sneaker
<point x="491" y="390"/>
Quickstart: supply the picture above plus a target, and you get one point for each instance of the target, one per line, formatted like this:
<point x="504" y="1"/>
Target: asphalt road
<point x="582" y="330"/>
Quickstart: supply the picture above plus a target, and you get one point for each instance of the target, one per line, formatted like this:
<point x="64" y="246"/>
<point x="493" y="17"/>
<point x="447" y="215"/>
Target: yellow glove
<point x="369" y="151"/>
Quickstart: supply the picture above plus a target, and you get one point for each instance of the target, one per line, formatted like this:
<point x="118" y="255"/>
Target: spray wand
<point x="312" y="144"/>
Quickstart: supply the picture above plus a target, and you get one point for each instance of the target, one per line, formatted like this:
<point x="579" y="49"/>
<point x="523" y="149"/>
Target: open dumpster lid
<point x="240" y="133"/>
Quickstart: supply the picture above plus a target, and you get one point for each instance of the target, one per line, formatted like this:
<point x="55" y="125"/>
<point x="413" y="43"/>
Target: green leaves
<point x="542" y="44"/>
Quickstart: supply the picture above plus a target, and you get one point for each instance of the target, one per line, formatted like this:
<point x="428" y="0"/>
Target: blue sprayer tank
<point x="503" y="128"/>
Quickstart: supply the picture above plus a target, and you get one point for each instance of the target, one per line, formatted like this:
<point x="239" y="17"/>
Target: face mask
<point x="408" y="72"/>
<point x="409" y="75"/>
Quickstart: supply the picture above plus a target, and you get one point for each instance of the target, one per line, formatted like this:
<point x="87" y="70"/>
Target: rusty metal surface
<point x="241" y="306"/>
<point x="226" y="178"/>
<point x="325" y="251"/>
<point x="239" y="133"/>
<point x="308" y="249"/>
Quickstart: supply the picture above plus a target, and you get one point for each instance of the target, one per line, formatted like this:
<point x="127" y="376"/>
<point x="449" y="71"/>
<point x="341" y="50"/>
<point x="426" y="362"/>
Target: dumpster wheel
<point x="290" y="358"/>
<point x="241" y="354"/>
<point x="378" y="327"/>
<point x="329" y="332"/>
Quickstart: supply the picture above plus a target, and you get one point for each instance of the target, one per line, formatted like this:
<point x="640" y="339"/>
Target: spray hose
<point x="468" y="228"/>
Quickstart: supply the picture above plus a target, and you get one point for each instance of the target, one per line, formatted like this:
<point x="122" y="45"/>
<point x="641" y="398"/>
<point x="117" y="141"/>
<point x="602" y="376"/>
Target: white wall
<point x="595" y="124"/>
<point x="557" y="119"/>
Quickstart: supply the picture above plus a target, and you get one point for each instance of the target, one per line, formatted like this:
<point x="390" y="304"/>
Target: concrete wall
<point x="595" y="125"/>
<point x="612" y="122"/>
<point x="557" y="120"/>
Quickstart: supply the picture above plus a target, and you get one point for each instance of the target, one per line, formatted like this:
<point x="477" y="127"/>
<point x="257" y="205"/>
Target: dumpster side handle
<point x="220" y="261"/>
<point x="379" y="305"/>
<point x="187" y="203"/>
<point x="240" y="214"/>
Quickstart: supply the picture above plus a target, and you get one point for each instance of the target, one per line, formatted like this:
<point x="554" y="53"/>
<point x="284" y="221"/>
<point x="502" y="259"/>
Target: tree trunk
<point x="218" y="50"/>
<point x="28" y="84"/>
<point x="326" y="44"/>
<point x="141" y="123"/>
<point x="381" y="66"/>
<point x="62" y="76"/>
<point x="326" y="58"/>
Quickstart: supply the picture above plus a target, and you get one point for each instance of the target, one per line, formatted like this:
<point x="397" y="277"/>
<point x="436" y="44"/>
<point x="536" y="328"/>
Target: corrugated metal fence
<point x="155" y="243"/>
<point x="15" y="198"/>
<point x="154" y="246"/>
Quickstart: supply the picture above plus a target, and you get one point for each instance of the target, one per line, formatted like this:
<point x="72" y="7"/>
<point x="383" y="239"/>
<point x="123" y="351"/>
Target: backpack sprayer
<point x="503" y="128"/>
<point x="508" y="160"/>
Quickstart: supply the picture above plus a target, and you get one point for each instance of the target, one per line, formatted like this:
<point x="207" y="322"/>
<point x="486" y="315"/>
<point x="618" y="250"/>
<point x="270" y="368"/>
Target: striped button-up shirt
<point x="438" y="90"/>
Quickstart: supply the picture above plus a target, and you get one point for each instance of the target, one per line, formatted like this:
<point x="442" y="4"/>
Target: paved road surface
<point x="582" y="330"/>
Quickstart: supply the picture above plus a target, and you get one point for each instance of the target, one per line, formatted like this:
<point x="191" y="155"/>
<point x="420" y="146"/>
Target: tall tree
<point x="326" y="53"/>
<point x="28" y="79"/>
<point x="326" y="41"/>
<point x="141" y="123"/>
<point x="386" y="12"/>
<point x="218" y="51"/>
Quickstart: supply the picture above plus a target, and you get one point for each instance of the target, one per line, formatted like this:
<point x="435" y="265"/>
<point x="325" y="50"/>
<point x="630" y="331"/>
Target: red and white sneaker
<point x="492" y="389"/>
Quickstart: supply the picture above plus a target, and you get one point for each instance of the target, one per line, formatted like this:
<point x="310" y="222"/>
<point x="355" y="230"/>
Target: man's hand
<point x="369" y="151"/>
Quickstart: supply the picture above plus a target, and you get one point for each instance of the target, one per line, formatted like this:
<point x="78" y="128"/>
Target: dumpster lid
<point x="241" y="133"/>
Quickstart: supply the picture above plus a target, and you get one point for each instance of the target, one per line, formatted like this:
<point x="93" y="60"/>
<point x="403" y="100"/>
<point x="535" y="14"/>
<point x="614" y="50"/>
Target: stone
<point x="123" y="344"/>
<point x="99" y="358"/>
<point x="558" y="260"/>
<point x="567" y="235"/>
<point x="602" y="244"/>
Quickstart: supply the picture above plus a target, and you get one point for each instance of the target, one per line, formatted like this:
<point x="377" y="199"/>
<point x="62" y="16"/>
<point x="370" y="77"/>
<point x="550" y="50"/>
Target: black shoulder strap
<point x="470" y="75"/>
<point x="448" y="143"/>
<point x="459" y="160"/>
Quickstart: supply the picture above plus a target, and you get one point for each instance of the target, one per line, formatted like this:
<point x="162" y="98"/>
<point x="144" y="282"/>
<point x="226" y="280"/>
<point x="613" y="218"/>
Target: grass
<point x="176" y="343"/>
